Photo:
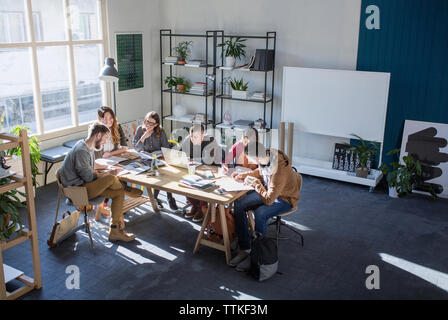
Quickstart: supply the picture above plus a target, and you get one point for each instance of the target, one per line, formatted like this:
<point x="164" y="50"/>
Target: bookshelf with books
<point x="210" y="87"/>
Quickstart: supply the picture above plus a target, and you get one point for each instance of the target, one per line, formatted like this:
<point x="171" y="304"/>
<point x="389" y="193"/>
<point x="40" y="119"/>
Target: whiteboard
<point x="336" y="102"/>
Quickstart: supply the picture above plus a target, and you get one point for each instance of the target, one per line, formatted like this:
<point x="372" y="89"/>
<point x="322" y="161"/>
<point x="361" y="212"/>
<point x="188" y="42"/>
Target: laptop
<point x="176" y="158"/>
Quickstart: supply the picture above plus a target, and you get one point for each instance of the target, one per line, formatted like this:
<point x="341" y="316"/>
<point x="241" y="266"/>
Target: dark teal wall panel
<point x="411" y="44"/>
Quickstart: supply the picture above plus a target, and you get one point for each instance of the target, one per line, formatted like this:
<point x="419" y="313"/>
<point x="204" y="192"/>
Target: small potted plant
<point x="365" y="151"/>
<point x="183" y="51"/>
<point x="171" y="82"/>
<point x="183" y="85"/>
<point x="233" y="50"/>
<point x="35" y="155"/>
<point x="403" y="177"/>
<point x="10" y="220"/>
<point x="239" y="88"/>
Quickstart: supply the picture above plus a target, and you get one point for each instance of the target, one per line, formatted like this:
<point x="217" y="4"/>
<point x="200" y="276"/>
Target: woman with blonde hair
<point x="151" y="137"/>
<point x="114" y="146"/>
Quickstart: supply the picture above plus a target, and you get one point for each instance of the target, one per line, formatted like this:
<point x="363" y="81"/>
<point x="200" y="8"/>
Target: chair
<point x="278" y="219"/>
<point x="77" y="197"/>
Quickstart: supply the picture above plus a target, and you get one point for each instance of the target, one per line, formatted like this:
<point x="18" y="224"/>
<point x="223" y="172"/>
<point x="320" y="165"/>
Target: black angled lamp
<point x="110" y="74"/>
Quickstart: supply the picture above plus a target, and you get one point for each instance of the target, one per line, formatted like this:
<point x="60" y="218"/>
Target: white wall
<point x="310" y="33"/>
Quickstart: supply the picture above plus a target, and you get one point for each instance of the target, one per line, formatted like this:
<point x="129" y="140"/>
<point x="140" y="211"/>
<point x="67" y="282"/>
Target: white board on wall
<point x="336" y="102"/>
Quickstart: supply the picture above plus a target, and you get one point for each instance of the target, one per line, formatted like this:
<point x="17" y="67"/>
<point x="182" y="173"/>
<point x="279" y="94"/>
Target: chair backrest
<point x="78" y="195"/>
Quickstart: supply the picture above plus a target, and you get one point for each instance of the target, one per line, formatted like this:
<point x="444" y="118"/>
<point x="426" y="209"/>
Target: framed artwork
<point x="428" y="143"/>
<point x="129" y="60"/>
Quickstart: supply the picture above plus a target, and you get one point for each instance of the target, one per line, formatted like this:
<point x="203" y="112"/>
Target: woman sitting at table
<point x="236" y="156"/>
<point x="276" y="190"/>
<point x="151" y="137"/>
<point x="114" y="146"/>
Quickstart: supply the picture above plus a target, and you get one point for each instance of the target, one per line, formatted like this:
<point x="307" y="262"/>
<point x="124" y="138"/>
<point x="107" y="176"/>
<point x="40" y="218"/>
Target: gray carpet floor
<point x="346" y="229"/>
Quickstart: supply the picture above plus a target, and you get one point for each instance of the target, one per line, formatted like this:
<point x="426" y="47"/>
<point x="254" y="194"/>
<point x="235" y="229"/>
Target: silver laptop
<point x="176" y="158"/>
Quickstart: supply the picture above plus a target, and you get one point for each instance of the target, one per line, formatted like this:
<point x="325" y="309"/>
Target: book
<point x="196" y="182"/>
<point x="195" y="63"/>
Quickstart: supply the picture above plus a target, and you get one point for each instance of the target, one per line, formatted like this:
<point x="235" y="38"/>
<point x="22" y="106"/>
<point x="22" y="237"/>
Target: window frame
<point x="69" y="43"/>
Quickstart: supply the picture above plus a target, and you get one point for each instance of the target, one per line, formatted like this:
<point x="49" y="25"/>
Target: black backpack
<point x="263" y="257"/>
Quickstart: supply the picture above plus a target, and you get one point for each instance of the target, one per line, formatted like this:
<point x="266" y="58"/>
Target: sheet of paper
<point x="117" y="159"/>
<point x="232" y="185"/>
<point x="135" y="168"/>
<point x="106" y="161"/>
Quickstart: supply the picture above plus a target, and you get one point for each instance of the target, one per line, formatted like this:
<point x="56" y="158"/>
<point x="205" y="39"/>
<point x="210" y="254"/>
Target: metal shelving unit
<point x="211" y="67"/>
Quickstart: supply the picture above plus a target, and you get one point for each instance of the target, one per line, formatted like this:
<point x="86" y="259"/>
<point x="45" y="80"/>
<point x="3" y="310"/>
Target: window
<point x="50" y="82"/>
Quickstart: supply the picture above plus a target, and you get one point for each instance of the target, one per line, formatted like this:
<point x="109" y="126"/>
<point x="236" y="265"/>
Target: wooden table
<point x="168" y="181"/>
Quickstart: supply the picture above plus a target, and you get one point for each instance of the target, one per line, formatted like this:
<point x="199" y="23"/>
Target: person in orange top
<point x="276" y="190"/>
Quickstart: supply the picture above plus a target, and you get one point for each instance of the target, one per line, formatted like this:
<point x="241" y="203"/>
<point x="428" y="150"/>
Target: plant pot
<point x="393" y="192"/>
<point x="230" y="62"/>
<point x="7" y="219"/>
<point x="181" y="62"/>
<point x="180" y="87"/>
<point x="237" y="94"/>
<point x="362" y="172"/>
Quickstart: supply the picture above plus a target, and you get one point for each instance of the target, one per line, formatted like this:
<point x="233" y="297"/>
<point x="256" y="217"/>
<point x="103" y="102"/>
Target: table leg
<point x="225" y="232"/>
<point x="153" y="201"/>
<point x="204" y="224"/>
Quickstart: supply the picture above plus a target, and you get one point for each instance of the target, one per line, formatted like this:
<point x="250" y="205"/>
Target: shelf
<point x="24" y="235"/>
<point x="324" y="169"/>
<point x="184" y="119"/>
<point x="227" y="97"/>
<point x="238" y="128"/>
<point x="10" y="186"/>
<point x="187" y="93"/>
<point x="189" y="67"/>
<point x="241" y="69"/>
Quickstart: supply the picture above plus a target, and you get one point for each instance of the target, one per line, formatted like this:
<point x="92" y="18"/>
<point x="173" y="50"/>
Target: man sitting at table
<point x="78" y="169"/>
<point x="202" y="148"/>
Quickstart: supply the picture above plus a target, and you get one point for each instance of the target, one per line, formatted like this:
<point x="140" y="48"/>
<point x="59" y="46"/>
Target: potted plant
<point x="10" y="220"/>
<point x="35" y="155"/>
<point x="365" y="151"/>
<point x="233" y="50"/>
<point x="183" y="51"/>
<point x="239" y="88"/>
<point x="183" y="85"/>
<point x="403" y="177"/>
<point x="171" y="82"/>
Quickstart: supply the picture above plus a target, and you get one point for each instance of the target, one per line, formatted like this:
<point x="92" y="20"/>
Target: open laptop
<point x="176" y="158"/>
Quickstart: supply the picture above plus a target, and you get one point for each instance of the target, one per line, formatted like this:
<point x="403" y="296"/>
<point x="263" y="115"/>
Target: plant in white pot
<point x="233" y="50"/>
<point x="365" y="151"/>
<point x="239" y="88"/>
<point x="404" y="177"/>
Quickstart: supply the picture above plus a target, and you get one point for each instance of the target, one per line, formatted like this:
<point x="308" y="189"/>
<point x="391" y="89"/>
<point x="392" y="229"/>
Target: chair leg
<point x="279" y="222"/>
<point x="86" y="222"/>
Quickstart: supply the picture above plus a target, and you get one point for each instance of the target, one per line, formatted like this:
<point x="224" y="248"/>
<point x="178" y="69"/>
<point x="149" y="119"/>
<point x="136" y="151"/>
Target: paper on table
<point x="232" y="185"/>
<point x="117" y="159"/>
<point x="106" y="162"/>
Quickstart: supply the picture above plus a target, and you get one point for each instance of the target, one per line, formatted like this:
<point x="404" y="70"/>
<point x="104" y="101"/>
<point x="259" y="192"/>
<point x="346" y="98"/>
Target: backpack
<point x="214" y="229"/>
<point x="263" y="257"/>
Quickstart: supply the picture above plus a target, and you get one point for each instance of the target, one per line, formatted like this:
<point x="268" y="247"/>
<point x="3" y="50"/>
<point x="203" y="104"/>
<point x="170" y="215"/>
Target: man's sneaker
<point x="173" y="205"/>
<point x="117" y="234"/>
<point x="238" y="258"/>
<point x="244" y="265"/>
<point x="190" y="214"/>
<point x="132" y="192"/>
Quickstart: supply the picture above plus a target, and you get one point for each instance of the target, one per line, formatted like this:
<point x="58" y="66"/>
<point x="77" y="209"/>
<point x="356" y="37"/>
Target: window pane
<point x="88" y="62"/>
<point x="12" y="21"/>
<point x="16" y="90"/>
<point x="51" y="13"/>
<point x="54" y="86"/>
<point x="84" y="16"/>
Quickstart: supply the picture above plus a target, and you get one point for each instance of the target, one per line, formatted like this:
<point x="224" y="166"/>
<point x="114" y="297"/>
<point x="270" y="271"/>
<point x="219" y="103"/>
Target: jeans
<point x="262" y="213"/>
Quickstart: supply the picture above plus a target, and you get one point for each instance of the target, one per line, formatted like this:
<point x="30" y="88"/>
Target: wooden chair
<point x="77" y="197"/>
<point x="278" y="219"/>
